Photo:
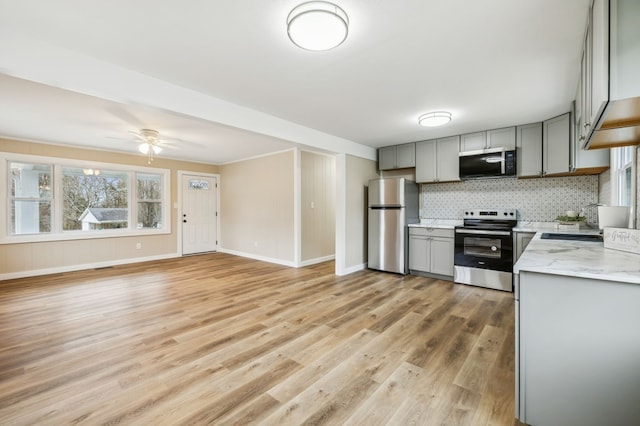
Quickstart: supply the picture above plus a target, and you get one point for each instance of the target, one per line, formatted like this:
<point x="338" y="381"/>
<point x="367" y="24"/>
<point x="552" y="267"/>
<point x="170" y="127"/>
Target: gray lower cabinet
<point x="437" y="160"/>
<point x="431" y="251"/>
<point x="578" y="351"/>
<point x="520" y="242"/>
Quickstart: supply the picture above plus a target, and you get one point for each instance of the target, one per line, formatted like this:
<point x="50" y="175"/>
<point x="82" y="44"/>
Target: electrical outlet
<point x="138" y="246"/>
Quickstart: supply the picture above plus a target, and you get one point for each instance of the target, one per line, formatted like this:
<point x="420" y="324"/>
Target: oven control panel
<point x="491" y="214"/>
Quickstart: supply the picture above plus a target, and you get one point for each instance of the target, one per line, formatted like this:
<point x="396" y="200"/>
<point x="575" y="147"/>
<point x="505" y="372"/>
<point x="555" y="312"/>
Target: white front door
<point x="199" y="221"/>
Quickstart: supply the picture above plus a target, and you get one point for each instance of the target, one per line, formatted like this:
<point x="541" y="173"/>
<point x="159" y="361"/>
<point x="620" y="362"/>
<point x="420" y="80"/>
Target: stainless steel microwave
<point x="487" y="163"/>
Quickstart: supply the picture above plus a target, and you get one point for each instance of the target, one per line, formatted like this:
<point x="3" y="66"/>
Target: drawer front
<point x="431" y="232"/>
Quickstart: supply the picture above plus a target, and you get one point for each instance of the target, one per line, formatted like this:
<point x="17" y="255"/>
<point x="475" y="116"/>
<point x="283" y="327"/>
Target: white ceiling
<point x="223" y="78"/>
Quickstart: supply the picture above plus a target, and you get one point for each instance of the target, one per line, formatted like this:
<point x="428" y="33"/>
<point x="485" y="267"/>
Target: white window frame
<point x="623" y="159"/>
<point x="57" y="234"/>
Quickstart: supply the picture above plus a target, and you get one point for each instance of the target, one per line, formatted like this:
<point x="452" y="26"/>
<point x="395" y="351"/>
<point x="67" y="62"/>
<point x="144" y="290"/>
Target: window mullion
<point x="133" y="200"/>
<point x="57" y="199"/>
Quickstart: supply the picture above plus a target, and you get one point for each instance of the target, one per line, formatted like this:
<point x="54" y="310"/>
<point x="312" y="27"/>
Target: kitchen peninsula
<point x="577" y="337"/>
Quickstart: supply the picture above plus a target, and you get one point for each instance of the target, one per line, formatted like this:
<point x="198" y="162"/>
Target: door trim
<point x="178" y="206"/>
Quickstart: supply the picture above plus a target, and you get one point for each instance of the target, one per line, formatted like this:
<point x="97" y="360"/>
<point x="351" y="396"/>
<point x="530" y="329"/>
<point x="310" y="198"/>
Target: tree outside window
<point x="94" y="199"/>
<point x="149" y="191"/>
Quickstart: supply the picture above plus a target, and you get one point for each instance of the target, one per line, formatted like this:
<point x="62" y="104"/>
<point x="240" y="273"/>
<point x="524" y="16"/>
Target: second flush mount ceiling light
<point x="317" y="25"/>
<point x="433" y="119"/>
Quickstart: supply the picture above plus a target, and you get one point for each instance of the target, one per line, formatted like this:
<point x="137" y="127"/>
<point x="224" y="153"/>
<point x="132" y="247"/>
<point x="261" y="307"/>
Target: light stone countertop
<point x="579" y="259"/>
<point x="529" y="226"/>
<point x="437" y="223"/>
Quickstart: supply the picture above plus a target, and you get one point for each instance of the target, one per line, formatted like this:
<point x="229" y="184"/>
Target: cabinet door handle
<point x="581" y="137"/>
<point x="587" y="125"/>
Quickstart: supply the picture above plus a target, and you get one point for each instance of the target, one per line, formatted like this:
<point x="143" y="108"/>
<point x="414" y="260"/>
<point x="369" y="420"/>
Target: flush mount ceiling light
<point x="433" y="119"/>
<point x="317" y="25"/>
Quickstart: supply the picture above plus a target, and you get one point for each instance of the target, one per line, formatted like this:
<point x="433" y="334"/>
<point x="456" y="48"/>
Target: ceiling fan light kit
<point x="145" y="147"/>
<point x="317" y="25"/>
<point x="435" y="118"/>
<point x="149" y="145"/>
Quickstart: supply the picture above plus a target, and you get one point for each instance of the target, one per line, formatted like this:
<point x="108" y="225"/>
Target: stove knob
<point x="511" y="214"/>
<point x="505" y="213"/>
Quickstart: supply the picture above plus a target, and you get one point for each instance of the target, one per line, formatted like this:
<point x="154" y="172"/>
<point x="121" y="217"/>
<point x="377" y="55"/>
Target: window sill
<point x="80" y="235"/>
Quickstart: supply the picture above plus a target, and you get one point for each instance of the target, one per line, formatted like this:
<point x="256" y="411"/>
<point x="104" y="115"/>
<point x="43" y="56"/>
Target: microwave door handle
<point x="503" y="163"/>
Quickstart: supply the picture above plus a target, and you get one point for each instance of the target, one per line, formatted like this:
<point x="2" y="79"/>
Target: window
<point x="149" y="201"/>
<point x="622" y="174"/>
<point x="94" y="199"/>
<point x="71" y="199"/>
<point x="30" y="198"/>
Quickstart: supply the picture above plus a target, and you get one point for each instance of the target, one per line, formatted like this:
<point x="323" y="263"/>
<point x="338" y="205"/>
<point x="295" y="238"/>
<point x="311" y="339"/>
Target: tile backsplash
<point x="539" y="200"/>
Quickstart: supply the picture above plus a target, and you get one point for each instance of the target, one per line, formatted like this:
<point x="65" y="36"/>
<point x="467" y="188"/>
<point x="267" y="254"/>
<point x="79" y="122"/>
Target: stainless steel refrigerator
<point x="393" y="204"/>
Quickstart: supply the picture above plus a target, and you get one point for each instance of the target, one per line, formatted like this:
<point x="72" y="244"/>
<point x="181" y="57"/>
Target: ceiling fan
<point x="150" y="142"/>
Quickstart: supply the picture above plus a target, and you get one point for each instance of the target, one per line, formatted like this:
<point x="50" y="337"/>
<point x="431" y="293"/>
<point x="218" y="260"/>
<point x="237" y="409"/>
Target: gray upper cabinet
<point x="529" y="150"/>
<point x="556" y="134"/>
<point x="437" y="160"/>
<point x="406" y="155"/>
<point x="426" y="161"/>
<point x="584" y="161"/>
<point x="387" y="158"/>
<point x="473" y="141"/>
<point x="610" y="101"/>
<point x="502" y="138"/>
<point x="397" y="156"/>
<point x="598" y="61"/>
<point x="497" y="138"/>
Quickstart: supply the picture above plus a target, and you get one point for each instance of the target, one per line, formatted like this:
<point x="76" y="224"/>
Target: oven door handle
<point x="482" y="232"/>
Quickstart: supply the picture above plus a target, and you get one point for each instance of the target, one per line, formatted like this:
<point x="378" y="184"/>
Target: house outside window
<point x="103" y="192"/>
<point x="30" y="198"/>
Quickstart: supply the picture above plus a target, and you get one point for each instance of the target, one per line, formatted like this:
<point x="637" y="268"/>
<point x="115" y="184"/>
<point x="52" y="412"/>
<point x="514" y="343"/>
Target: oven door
<point x="484" y="249"/>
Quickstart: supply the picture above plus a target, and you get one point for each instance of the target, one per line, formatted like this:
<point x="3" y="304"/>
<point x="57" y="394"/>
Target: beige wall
<point x="257" y="208"/>
<point x="357" y="175"/>
<point x="42" y="257"/>
<point x="317" y="205"/>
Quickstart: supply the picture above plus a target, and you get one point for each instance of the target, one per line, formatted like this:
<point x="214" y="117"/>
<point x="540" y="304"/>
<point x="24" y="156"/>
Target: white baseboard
<point x="317" y="260"/>
<point x="352" y="269"/>
<point x="81" y="267"/>
<point x="257" y="257"/>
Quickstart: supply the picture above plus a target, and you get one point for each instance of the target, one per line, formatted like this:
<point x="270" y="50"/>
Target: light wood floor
<point x="221" y="339"/>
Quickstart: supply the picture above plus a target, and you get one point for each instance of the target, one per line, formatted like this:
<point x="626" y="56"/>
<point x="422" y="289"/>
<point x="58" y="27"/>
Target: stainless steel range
<point x="483" y="254"/>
